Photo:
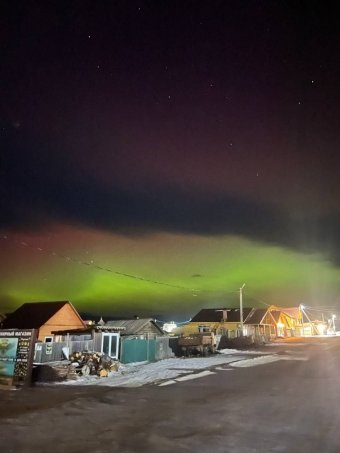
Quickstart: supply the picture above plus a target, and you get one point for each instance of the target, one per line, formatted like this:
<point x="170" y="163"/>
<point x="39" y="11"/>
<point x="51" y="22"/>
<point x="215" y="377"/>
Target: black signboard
<point x="16" y="356"/>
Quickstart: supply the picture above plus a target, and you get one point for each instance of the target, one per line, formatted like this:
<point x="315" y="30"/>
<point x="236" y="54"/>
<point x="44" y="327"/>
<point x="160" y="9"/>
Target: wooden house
<point x="260" y="324"/>
<point x="257" y="322"/>
<point x="220" y="321"/>
<point x="295" y="321"/>
<point x="106" y="336"/>
<point x="109" y="338"/>
<point x="141" y="328"/>
<point x="94" y="338"/>
<point x="45" y="317"/>
<point x="288" y="321"/>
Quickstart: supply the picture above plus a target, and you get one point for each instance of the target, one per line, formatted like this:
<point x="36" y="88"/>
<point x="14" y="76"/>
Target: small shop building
<point x="45" y="317"/>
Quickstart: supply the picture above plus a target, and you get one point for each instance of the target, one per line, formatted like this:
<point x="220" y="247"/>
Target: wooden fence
<point x="53" y="352"/>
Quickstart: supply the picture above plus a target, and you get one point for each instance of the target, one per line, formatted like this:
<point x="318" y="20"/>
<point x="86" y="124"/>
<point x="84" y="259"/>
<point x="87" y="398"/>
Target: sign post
<point x="16" y="356"/>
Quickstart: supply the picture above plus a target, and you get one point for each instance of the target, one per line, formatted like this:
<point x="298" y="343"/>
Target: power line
<point x="69" y="258"/>
<point x="95" y="266"/>
<point x="319" y="310"/>
<point x="246" y="296"/>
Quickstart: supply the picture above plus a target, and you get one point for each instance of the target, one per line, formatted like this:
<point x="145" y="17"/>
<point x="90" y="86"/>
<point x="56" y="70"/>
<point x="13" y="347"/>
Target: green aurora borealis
<point x="213" y="267"/>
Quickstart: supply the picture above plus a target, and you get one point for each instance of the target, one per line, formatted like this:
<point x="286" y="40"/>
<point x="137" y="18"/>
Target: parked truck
<point x="197" y="344"/>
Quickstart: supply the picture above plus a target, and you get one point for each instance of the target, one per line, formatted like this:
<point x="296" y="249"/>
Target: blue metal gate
<point x="137" y="350"/>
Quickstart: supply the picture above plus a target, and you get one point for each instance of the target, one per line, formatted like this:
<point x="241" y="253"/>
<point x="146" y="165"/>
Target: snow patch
<point x="238" y="351"/>
<point x="255" y="361"/>
<point x="264" y="359"/>
<point x="194" y="376"/>
<point x="165" y="383"/>
<point x="284" y="343"/>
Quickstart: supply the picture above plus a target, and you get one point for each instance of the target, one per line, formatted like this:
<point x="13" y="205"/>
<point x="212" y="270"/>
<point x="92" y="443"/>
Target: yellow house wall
<point x="65" y="318"/>
<point x="192" y="327"/>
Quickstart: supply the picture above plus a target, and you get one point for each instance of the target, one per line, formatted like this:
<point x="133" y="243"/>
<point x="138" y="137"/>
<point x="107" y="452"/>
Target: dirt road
<point x="284" y="406"/>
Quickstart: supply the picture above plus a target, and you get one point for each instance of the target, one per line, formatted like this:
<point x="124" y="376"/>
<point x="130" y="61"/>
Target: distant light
<point x="321" y="328"/>
<point x="280" y="325"/>
<point x="302" y="306"/>
<point x="333" y="316"/>
<point x="169" y="326"/>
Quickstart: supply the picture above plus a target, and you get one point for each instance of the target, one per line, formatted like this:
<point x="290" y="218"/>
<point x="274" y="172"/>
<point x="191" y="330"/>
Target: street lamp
<point x="241" y="308"/>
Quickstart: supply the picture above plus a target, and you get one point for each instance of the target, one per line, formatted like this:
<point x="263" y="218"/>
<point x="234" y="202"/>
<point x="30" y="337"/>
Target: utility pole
<point x="241" y="308"/>
<point x="303" y="326"/>
<point x="312" y="325"/>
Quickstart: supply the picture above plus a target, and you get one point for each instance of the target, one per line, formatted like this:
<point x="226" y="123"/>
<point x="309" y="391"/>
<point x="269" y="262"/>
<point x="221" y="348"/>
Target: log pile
<point x="93" y="363"/>
<point x="79" y="363"/>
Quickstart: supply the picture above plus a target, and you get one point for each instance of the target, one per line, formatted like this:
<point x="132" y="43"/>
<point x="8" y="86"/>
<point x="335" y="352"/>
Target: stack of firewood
<point x="93" y="363"/>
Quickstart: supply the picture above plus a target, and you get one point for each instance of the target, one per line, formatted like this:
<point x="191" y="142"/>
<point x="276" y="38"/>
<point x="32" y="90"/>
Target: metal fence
<point x="144" y="350"/>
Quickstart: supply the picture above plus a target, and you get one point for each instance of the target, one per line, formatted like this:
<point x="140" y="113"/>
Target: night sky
<point x="190" y="144"/>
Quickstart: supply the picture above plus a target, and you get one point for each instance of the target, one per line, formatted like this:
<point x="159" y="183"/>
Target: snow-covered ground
<point x="138" y="374"/>
<point x="171" y="370"/>
<point x="270" y="345"/>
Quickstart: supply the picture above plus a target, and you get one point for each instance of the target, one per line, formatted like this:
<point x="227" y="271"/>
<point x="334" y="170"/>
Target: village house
<point x="141" y="328"/>
<point x="105" y="335"/>
<point x="288" y="321"/>
<point x="220" y="321"/>
<point x="299" y="321"/>
<point x="226" y="322"/>
<point x="95" y="338"/>
<point x="45" y="317"/>
<point x="259" y="323"/>
<point x="129" y="340"/>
